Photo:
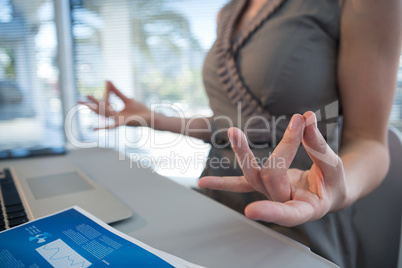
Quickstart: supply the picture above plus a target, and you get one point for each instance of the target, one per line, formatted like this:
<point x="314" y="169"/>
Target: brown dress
<point x="285" y="62"/>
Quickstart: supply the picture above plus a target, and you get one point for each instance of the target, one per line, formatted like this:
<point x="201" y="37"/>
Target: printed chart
<point x="59" y="254"/>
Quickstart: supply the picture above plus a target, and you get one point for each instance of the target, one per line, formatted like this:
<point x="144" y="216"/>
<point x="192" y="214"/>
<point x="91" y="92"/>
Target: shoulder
<point x="218" y="16"/>
<point x="377" y="23"/>
<point x="368" y="62"/>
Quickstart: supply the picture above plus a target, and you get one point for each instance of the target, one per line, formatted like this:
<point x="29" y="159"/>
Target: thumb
<point x="111" y="126"/>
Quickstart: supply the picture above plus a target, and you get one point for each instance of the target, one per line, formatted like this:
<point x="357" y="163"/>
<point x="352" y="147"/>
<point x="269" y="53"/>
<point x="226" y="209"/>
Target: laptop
<point x="35" y="187"/>
<point x="36" y="177"/>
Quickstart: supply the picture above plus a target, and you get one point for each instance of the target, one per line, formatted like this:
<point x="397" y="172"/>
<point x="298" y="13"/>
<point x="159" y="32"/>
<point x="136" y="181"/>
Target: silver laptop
<point x="44" y="185"/>
<point x="36" y="177"/>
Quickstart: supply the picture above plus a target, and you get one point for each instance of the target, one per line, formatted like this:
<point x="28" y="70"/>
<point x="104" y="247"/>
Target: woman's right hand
<point x="134" y="113"/>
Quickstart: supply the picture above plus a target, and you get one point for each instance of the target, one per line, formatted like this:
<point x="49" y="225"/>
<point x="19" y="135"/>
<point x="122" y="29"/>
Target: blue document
<point x="75" y="238"/>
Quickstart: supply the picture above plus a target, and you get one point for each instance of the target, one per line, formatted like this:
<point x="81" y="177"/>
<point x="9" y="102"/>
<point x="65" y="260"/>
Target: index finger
<point x="246" y="159"/>
<point x="111" y="87"/>
<point x="107" y="94"/>
<point x="274" y="172"/>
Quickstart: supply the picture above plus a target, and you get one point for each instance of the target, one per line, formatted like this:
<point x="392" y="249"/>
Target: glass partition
<point x="30" y="106"/>
<point x="152" y="50"/>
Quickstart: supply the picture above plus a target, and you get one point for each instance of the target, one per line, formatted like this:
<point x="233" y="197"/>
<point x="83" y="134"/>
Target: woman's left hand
<point x="294" y="196"/>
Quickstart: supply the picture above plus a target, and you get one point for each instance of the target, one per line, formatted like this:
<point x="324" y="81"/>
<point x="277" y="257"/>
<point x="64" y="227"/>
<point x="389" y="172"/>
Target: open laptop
<point x="36" y="178"/>
<point x="35" y="187"/>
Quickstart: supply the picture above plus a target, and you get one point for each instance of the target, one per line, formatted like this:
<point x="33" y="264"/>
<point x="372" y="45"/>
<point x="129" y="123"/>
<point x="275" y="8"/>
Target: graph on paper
<point x="73" y="238"/>
<point x="59" y="254"/>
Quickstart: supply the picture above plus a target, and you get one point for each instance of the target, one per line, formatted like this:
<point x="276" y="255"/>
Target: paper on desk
<point x="75" y="238"/>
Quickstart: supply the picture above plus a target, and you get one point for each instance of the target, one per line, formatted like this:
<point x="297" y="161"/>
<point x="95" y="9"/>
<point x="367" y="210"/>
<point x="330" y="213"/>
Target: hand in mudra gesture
<point x="294" y="196"/>
<point x="134" y="113"/>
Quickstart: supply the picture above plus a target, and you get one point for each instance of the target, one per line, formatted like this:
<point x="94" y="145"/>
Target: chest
<point x="284" y="64"/>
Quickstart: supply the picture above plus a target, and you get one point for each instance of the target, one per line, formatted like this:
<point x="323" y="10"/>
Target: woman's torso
<point x="283" y="62"/>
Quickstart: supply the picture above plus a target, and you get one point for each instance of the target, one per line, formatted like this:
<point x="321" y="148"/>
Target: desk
<point x="187" y="224"/>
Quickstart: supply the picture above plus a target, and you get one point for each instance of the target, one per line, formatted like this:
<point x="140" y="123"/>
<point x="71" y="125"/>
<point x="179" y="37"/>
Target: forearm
<point x="365" y="163"/>
<point x="196" y="127"/>
<point x="370" y="46"/>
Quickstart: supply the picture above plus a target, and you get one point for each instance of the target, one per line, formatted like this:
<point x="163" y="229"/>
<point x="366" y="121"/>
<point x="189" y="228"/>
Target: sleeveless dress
<point x="285" y="62"/>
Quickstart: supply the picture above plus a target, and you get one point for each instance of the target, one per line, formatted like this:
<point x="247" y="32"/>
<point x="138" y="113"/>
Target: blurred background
<point x="53" y="53"/>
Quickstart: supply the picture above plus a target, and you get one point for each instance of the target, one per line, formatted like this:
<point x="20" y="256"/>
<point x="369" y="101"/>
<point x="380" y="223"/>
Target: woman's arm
<point x="367" y="70"/>
<point x="135" y="113"/>
<point x="196" y="127"/>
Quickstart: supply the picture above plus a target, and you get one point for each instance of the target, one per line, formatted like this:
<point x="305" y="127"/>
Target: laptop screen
<point x="31" y="121"/>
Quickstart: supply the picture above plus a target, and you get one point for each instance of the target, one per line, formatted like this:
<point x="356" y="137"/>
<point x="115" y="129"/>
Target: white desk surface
<point x="187" y="224"/>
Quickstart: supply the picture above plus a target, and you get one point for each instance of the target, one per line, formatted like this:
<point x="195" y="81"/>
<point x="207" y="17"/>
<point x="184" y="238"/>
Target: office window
<point x="396" y="113"/>
<point x="30" y="106"/>
<point x="152" y="50"/>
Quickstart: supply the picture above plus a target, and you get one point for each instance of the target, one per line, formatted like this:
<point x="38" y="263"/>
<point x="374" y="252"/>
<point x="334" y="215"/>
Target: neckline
<point x="231" y="16"/>
<point x="266" y="10"/>
<point x="249" y="26"/>
<point x="226" y="50"/>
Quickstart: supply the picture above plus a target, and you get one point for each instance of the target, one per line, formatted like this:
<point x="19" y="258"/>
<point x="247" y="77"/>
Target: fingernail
<point x="311" y="120"/>
<point x="232" y="140"/>
<point x="295" y="122"/>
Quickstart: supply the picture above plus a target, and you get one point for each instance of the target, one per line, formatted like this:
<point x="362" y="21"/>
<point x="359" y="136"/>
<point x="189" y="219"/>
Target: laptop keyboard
<point x="12" y="210"/>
